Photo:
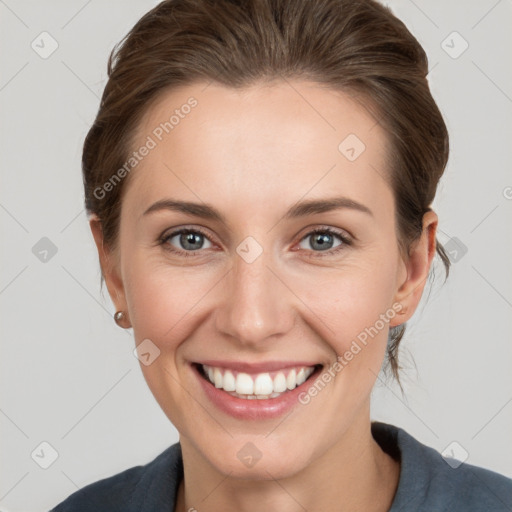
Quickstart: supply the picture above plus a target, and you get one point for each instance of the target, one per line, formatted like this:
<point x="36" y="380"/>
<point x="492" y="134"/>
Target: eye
<point x="185" y="241"/>
<point x="188" y="241"/>
<point x="325" y="240"/>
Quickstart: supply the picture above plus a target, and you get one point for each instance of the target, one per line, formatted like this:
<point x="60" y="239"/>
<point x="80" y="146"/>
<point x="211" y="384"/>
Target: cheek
<point x="352" y="309"/>
<point x="163" y="299"/>
<point x="348" y="300"/>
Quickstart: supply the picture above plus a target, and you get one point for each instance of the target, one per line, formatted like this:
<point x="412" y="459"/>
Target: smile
<point x="254" y="391"/>
<point x="262" y="386"/>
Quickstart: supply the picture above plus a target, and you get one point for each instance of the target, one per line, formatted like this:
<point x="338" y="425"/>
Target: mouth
<point x="267" y="385"/>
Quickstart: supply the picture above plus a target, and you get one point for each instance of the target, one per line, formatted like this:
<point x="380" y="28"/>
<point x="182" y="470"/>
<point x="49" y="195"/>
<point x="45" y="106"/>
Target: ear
<point x="110" y="269"/>
<point x="417" y="269"/>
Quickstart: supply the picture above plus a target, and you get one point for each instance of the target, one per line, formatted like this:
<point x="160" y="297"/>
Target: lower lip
<point x="256" y="409"/>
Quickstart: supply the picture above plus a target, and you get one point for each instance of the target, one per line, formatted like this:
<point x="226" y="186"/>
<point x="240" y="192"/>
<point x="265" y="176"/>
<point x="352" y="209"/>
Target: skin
<point x="252" y="154"/>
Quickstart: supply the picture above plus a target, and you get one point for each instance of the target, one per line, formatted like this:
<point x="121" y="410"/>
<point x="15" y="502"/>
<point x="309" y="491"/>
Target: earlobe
<point x="109" y="267"/>
<point x="417" y="266"/>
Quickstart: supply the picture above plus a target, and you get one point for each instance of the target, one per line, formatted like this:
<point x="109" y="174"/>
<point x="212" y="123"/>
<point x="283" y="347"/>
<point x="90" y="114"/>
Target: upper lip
<point x="266" y="366"/>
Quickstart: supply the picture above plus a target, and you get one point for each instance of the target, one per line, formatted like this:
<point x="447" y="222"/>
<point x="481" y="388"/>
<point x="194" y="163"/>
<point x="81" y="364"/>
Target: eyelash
<point x="346" y="241"/>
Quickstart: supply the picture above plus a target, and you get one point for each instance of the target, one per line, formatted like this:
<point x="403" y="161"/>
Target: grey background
<point x="68" y="374"/>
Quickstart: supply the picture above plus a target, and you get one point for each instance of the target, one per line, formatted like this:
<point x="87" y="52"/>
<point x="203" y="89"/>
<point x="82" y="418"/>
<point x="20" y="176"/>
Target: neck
<point x="355" y="474"/>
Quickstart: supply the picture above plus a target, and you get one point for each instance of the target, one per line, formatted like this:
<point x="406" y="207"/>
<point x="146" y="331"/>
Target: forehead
<point x="263" y="142"/>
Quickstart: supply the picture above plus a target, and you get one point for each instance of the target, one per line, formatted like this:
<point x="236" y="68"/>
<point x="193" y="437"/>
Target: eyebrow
<point x="300" y="209"/>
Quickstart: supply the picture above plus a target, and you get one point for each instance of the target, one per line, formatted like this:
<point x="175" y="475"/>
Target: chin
<point x="256" y="457"/>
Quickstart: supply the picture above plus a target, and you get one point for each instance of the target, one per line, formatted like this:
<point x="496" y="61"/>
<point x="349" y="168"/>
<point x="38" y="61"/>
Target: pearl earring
<point x="118" y="317"/>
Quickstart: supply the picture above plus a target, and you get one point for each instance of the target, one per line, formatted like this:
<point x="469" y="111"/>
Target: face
<point x="258" y="247"/>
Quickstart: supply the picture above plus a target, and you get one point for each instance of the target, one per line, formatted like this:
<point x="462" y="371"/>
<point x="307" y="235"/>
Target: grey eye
<point x="321" y="241"/>
<point x="189" y="241"/>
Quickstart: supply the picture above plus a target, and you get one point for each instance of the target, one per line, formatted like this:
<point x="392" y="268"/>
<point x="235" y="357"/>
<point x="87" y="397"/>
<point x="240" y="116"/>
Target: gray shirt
<point x="428" y="483"/>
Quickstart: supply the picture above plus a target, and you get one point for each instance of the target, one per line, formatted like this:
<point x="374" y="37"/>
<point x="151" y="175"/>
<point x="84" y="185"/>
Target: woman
<point x="260" y="177"/>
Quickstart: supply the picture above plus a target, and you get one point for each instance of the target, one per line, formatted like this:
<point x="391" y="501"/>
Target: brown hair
<point x="357" y="46"/>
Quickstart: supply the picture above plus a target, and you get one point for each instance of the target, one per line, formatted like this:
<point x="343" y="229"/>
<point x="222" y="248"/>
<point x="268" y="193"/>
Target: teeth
<point x="217" y="378"/>
<point x="244" y="384"/>
<point x="257" y="387"/>
<point x="279" y="383"/>
<point x="255" y="397"/>
<point x="263" y="384"/>
<point x="229" y="381"/>
<point x="291" y="380"/>
<point x="301" y="377"/>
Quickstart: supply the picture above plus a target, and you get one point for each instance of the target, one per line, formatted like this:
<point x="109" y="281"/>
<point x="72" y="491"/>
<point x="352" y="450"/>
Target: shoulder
<point x="428" y="481"/>
<point x="149" y="487"/>
<point x="466" y="487"/>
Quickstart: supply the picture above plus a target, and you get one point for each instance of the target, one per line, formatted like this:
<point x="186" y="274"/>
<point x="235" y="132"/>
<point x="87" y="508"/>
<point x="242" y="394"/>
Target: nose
<point x="257" y="306"/>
